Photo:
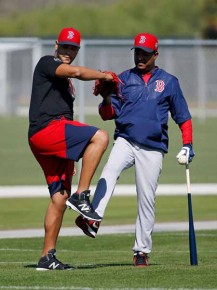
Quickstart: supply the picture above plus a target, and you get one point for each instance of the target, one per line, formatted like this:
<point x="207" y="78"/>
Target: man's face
<point x="66" y="53"/>
<point x="144" y="60"/>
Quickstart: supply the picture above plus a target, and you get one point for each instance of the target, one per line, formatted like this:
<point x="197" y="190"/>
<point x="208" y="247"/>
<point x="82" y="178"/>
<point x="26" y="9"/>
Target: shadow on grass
<point x="94" y="266"/>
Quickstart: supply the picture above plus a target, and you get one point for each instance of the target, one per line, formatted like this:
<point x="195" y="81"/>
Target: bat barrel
<point x="192" y="239"/>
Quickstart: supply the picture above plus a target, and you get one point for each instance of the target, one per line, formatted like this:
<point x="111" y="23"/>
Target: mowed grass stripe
<point x="28" y="213"/>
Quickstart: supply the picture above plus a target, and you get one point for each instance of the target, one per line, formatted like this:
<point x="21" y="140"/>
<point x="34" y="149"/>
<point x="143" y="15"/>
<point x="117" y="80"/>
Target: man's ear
<point x="156" y="54"/>
<point x="56" y="45"/>
<point x="55" y="48"/>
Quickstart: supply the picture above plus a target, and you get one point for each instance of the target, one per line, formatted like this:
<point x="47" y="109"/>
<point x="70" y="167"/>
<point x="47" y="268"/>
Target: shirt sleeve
<point x="106" y="112"/>
<point x="111" y="111"/>
<point x="47" y="65"/>
<point x="178" y="105"/>
<point x="187" y="132"/>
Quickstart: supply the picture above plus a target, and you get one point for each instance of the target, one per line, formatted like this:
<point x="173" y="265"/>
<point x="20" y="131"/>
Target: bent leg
<point x="91" y="158"/>
<point x="121" y="158"/>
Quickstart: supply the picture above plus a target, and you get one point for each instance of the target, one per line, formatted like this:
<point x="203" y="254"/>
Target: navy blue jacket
<point x="141" y="110"/>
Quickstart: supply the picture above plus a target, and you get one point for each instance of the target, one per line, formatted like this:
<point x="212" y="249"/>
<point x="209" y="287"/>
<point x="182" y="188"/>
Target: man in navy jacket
<point x="146" y="96"/>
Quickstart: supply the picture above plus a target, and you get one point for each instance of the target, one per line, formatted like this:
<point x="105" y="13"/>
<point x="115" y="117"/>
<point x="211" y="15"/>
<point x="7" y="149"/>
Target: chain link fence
<point x="193" y="62"/>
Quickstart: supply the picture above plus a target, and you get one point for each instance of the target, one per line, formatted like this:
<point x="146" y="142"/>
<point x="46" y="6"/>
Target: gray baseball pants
<point x="148" y="166"/>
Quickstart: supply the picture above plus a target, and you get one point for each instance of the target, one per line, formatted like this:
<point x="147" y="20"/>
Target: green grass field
<point x="18" y="166"/>
<point x="106" y="262"/>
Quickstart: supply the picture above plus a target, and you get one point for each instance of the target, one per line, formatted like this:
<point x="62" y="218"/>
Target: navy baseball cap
<point x="69" y="36"/>
<point x="146" y="41"/>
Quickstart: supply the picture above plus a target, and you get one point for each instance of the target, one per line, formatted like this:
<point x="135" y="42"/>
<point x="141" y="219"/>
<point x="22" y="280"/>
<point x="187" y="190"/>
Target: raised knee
<point x="102" y="137"/>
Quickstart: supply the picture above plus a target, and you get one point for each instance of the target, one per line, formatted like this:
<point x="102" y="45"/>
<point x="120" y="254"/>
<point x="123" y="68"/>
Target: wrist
<point x="106" y="100"/>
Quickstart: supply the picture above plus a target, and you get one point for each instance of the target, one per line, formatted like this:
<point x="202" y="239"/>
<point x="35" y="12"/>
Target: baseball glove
<point x="105" y="88"/>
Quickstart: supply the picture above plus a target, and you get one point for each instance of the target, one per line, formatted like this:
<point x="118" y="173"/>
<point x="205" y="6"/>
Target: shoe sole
<point x="88" y="232"/>
<point x="71" y="206"/>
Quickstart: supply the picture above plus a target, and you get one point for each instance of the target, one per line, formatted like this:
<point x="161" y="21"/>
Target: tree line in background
<point x="104" y="18"/>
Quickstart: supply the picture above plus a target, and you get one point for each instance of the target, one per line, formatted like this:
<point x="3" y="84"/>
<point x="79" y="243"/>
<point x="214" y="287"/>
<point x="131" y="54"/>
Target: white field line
<point x="114" y="229"/>
<point x="125" y="189"/>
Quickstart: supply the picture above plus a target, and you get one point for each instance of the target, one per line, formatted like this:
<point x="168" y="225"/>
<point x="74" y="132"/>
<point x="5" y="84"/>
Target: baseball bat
<point x="192" y="238"/>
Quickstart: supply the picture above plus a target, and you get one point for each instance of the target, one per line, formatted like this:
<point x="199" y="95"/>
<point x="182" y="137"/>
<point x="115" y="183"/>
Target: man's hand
<point x="105" y="87"/>
<point x="186" y="154"/>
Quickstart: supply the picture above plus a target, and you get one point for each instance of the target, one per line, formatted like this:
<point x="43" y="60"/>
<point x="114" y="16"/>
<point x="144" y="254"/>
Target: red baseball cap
<point x="69" y="36"/>
<point x="146" y="41"/>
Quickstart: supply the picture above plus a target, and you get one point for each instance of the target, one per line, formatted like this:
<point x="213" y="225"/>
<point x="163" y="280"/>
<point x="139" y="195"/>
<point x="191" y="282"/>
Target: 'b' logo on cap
<point x="70" y="34"/>
<point x="142" y="39"/>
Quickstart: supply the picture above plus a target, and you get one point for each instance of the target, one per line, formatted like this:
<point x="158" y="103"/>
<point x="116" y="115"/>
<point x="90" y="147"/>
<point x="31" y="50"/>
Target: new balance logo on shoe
<point x="53" y="265"/>
<point x="50" y="262"/>
<point x="95" y="225"/>
<point x="84" y="207"/>
<point x="80" y="202"/>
